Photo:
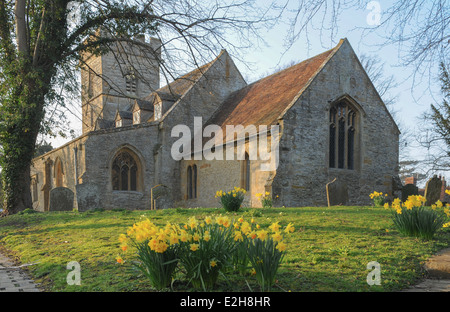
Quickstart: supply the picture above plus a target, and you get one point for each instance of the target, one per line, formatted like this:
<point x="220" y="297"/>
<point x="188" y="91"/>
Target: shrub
<point x="412" y="218"/>
<point x="231" y="200"/>
<point x="379" y="199"/>
<point x="27" y="211"/>
<point x="266" y="199"/>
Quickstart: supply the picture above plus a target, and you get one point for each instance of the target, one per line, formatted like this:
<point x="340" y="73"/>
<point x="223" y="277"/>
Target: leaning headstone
<point x="87" y="196"/>
<point x="337" y="193"/>
<point x="433" y="191"/>
<point x="61" y="199"/>
<point x="409" y="190"/>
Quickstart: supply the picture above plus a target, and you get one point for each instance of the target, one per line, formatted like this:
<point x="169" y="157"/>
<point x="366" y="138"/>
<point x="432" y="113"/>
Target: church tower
<point x="112" y="81"/>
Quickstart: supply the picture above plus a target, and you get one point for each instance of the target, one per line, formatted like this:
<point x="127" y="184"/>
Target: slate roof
<point x="143" y="105"/>
<point x="124" y="114"/>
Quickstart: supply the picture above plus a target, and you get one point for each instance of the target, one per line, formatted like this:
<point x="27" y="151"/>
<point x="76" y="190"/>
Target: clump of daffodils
<point x="413" y="218"/>
<point x="378" y="198"/>
<point x="266" y="199"/>
<point x="156" y="249"/>
<point x="231" y="200"/>
<point x="205" y="246"/>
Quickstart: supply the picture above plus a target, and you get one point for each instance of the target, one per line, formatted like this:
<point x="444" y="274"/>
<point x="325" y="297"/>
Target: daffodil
<point x="194" y="247"/>
<point x="192" y="222"/>
<point x="281" y="246"/>
<point x="173" y="239"/>
<point x="262" y="235"/>
<point x="289" y="228"/>
<point x="226" y="222"/>
<point x="277" y="236"/>
<point x="246" y="227"/>
<point x="238" y="236"/>
<point x="275" y="227"/>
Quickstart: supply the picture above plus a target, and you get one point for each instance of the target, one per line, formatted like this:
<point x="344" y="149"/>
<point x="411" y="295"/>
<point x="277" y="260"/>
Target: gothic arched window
<point x="125" y="172"/>
<point x="342" y="129"/>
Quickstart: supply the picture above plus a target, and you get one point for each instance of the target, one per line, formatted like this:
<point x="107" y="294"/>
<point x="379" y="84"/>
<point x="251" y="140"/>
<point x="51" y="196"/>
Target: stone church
<point x="331" y="122"/>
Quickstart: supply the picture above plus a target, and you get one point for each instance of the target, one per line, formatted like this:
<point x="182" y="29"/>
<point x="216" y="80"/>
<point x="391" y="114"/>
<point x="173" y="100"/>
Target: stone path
<point x="13" y="278"/>
<point x="438" y="269"/>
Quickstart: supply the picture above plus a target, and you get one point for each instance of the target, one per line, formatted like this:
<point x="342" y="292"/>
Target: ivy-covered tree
<point x="42" y="41"/>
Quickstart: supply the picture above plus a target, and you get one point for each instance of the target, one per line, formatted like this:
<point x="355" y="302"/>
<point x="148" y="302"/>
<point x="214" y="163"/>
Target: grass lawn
<point x="328" y="252"/>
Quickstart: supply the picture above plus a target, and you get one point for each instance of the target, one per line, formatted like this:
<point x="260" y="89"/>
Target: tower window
<point x="131" y="81"/>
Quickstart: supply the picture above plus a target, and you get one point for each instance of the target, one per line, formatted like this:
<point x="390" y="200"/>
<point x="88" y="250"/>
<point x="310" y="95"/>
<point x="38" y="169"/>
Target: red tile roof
<point x="264" y="101"/>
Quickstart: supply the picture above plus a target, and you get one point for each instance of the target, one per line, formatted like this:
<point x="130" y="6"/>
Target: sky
<point x="412" y="100"/>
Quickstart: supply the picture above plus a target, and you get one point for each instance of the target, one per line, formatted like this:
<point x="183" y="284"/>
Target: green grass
<point x="329" y="250"/>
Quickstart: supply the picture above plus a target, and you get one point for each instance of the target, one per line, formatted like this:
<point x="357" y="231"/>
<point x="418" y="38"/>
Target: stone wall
<point x="224" y="174"/>
<point x="104" y="82"/>
<point x="304" y="171"/>
<point x="44" y="173"/>
<point x="101" y="148"/>
<point x="202" y="100"/>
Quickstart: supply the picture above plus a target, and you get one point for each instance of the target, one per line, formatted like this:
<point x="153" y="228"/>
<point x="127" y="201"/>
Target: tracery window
<point x="342" y="129"/>
<point x="125" y="172"/>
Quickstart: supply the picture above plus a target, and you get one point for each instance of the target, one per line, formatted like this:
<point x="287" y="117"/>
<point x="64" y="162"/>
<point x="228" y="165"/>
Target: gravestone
<point x="408" y="190"/>
<point x="88" y="197"/>
<point x="337" y="193"/>
<point x="61" y="199"/>
<point x="397" y="187"/>
<point x="433" y="190"/>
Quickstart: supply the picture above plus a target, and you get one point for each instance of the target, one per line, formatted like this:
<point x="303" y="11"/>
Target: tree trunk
<point x="18" y="196"/>
<point x="18" y="142"/>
